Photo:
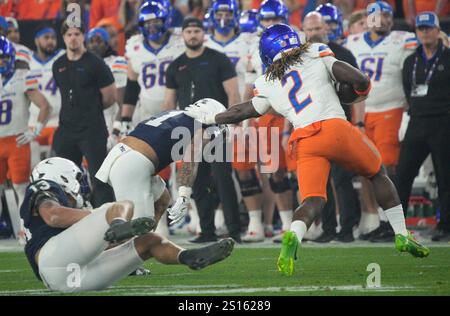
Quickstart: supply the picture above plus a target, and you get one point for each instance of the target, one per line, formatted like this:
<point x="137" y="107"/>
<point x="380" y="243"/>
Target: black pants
<point x="426" y="135"/>
<point x="214" y="184"/>
<point x="347" y="199"/>
<point x="92" y="146"/>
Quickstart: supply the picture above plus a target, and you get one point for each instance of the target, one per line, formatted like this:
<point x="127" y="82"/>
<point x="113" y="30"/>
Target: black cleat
<point x="126" y="230"/>
<point x="204" y="239"/>
<point x="325" y="238"/>
<point x="200" y="258"/>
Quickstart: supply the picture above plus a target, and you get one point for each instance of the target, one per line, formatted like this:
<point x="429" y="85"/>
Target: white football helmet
<point x="62" y="171"/>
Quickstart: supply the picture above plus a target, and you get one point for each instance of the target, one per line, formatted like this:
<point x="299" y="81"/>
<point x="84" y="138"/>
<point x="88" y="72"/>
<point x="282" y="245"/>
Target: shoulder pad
<point x="319" y="50"/>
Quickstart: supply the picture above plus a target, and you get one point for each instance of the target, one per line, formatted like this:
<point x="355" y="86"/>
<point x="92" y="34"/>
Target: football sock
<point x="255" y="223"/>
<point x="286" y="219"/>
<point x="299" y="228"/>
<point x="397" y="219"/>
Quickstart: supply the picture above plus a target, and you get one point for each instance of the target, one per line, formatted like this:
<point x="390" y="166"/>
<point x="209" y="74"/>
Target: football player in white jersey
<point x="98" y="43"/>
<point x="18" y="88"/>
<point x="299" y="85"/>
<point x="226" y="38"/>
<point x="41" y="65"/>
<point x="380" y="54"/>
<point x="149" y="55"/>
<point x="271" y="12"/>
<point x="23" y="53"/>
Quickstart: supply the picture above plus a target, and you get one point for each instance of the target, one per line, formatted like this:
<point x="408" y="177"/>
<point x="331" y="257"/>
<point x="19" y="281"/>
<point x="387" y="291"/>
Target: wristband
<point x="359" y="124"/>
<point x="365" y="92"/>
<point x="38" y="128"/>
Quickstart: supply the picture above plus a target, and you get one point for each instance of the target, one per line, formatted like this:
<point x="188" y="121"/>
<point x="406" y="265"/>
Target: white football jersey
<point x="119" y="67"/>
<point x="237" y="50"/>
<point x="151" y="66"/>
<point x="14" y="104"/>
<point x="383" y="61"/>
<point x="305" y="95"/>
<point x="47" y="86"/>
<point x="23" y="53"/>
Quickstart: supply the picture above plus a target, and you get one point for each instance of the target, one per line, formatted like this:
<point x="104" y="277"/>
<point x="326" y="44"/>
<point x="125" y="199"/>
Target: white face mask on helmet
<point x="62" y="171"/>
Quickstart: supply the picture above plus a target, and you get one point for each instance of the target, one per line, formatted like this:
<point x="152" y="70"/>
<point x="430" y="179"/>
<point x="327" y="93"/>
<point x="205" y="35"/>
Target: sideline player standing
<point x="380" y="54"/>
<point x="41" y="64"/>
<point x="18" y="88"/>
<point x="149" y="55"/>
<point x="298" y="84"/>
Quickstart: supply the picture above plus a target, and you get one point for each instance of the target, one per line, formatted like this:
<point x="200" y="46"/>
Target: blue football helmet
<point x="271" y="9"/>
<point x="207" y="23"/>
<point x="8" y="55"/>
<point x="248" y="22"/>
<point x="225" y="27"/>
<point x="332" y="14"/>
<point x="153" y="10"/>
<point x="167" y="5"/>
<point x="276" y="39"/>
<point x="381" y="6"/>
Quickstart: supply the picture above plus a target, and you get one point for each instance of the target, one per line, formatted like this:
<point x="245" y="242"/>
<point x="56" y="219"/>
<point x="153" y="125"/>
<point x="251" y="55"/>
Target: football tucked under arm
<point x="352" y="85"/>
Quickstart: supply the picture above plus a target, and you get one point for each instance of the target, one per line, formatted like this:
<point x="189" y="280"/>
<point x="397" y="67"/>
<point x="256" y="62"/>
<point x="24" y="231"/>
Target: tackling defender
<point x="299" y="85"/>
<point x="64" y="239"/>
<point x="132" y="166"/>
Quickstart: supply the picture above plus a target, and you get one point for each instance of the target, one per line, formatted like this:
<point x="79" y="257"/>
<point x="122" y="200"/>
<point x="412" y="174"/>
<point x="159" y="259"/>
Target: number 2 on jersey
<point x="297" y="80"/>
<point x="5" y="112"/>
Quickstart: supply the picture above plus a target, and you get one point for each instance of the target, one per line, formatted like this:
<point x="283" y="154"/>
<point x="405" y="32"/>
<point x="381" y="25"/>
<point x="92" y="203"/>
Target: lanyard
<point x="428" y="73"/>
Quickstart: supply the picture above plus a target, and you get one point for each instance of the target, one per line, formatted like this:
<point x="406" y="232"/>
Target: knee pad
<point x="250" y="187"/>
<point x="281" y="186"/>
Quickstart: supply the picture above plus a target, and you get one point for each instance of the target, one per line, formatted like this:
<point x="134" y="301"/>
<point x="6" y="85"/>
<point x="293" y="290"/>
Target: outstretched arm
<point x="237" y="113"/>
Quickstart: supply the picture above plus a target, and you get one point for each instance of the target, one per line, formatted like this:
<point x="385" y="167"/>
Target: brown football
<point x="346" y="93"/>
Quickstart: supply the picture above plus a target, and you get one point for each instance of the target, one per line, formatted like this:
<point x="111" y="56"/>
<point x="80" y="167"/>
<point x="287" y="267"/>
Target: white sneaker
<point x="253" y="237"/>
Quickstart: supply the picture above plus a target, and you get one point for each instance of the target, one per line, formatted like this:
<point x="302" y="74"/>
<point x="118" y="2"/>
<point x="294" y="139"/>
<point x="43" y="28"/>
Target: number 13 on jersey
<point x="297" y="84"/>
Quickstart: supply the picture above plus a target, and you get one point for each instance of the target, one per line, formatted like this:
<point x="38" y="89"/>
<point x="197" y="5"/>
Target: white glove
<point x="28" y="136"/>
<point x="199" y="115"/>
<point x="126" y="128"/>
<point x="205" y="110"/>
<point x="179" y="210"/>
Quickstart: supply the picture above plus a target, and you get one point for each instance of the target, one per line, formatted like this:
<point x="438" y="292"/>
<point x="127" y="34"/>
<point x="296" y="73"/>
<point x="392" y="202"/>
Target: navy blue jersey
<point x="157" y="132"/>
<point x="40" y="232"/>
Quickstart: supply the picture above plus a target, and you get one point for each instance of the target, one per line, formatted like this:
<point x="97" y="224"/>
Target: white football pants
<point x="130" y="174"/>
<point x="76" y="260"/>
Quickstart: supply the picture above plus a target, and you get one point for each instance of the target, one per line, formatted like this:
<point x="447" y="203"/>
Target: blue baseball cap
<point x="379" y="6"/>
<point x="98" y="31"/>
<point x="429" y="19"/>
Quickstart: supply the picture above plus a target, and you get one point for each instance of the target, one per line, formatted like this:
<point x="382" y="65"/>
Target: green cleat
<point x="288" y="253"/>
<point x="411" y="245"/>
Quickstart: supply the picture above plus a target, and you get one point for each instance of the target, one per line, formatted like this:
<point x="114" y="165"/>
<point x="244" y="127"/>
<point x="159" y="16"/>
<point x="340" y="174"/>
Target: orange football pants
<point x="336" y="140"/>
<point x="16" y="160"/>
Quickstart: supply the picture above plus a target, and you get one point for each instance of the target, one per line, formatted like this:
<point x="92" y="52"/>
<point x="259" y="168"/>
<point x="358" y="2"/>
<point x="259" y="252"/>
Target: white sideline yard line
<point x="218" y="290"/>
